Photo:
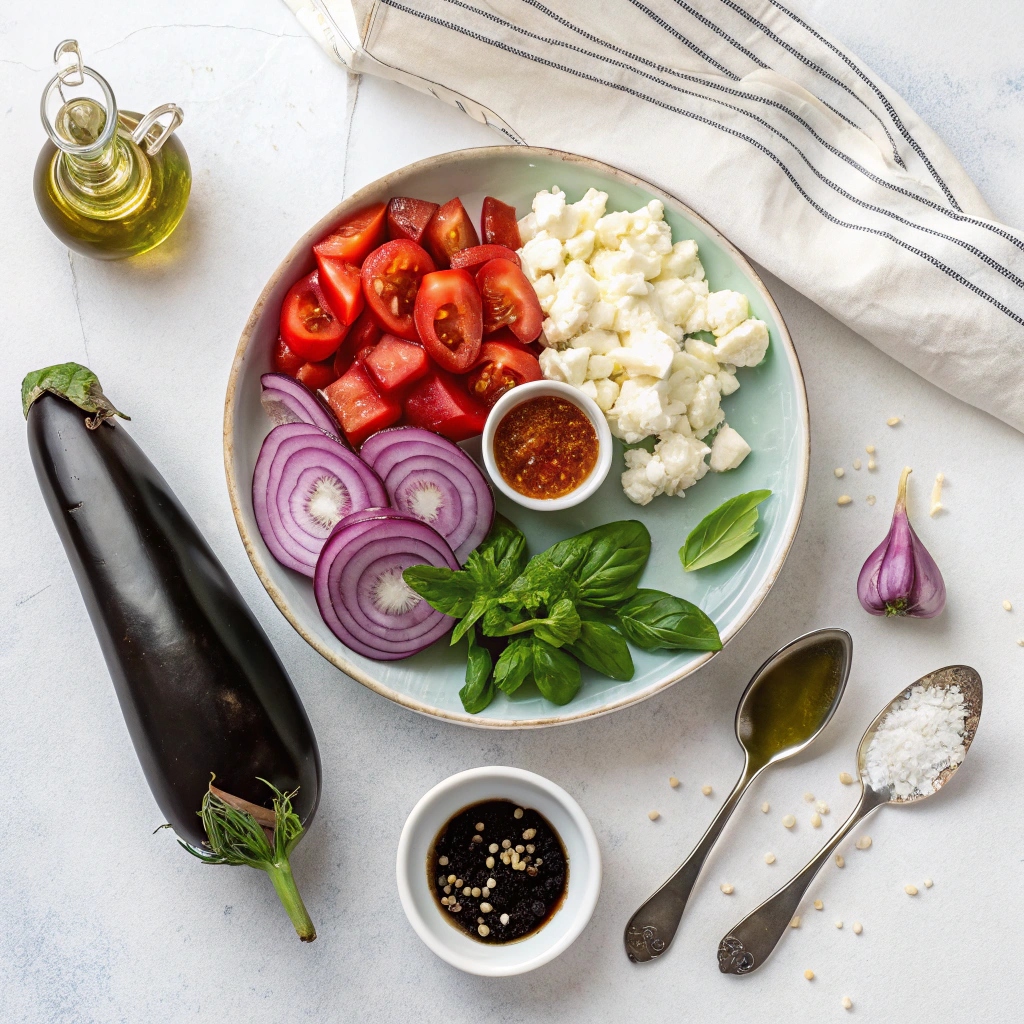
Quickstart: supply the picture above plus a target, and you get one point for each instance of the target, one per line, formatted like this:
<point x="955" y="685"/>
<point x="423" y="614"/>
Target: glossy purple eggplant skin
<point x="200" y="687"/>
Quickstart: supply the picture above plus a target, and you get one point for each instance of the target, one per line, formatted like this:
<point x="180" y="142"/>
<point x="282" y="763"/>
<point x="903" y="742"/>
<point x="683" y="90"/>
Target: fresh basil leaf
<point x="604" y="563"/>
<point x="541" y="582"/>
<point x="614" y="559"/>
<point x="603" y="649"/>
<point x="654" y="621"/>
<point x="500" y="558"/>
<point x="561" y="625"/>
<point x="448" y="590"/>
<point x="556" y="673"/>
<point x="514" y="665"/>
<point x="722" y="532"/>
<point x="479" y="689"/>
<point x="480" y="605"/>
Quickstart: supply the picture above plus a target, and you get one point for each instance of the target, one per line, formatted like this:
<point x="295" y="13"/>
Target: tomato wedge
<point x="472" y="258"/>
<point x="317" y="375"/>
<point x="449" y="231"/>
<point x="449" y="319"/>
<point x="408" y="218"/>
<point x="308" y="327"/>
<point x="498" y="224"/>
<point x="341" y="286"/>
<point x="364" y="332"/>
<point x="439" y="403"/>
<point x="356" y="237"/>
<point x="391" y="278"/>
<point x="359" y="407"/>
<point x="284" y="360"/>
<point x="499" y="368"/>
<point x="509" y="300"/>
<point x="394" y="362"/>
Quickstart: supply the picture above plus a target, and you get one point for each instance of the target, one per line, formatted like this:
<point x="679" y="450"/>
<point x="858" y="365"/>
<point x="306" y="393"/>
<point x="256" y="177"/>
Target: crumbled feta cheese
<point x="623" y="303"/>
<point x="607" y="393"/>
<point x="744" y="345"/>
<point x="726" y="310"/>
<point x="728" y="449"/>
<point x="568" y="365"/>
<point x="640" y="410"/>
<point x="704" y="412"/>
<point x="676" y="464"/>
<point x="541" y="255"/>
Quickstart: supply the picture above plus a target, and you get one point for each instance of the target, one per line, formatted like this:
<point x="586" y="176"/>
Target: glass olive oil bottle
<point x="108" y="183"/>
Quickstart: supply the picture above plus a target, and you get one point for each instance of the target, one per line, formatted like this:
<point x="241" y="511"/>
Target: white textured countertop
<point x="102" y="921"/>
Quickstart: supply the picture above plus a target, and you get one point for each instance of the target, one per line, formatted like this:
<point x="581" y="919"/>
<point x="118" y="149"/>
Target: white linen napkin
<point x="774" y="133"/>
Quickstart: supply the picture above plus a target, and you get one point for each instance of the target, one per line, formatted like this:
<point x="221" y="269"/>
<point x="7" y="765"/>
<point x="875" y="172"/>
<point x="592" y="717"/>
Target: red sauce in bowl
<point x="545" y="447"/>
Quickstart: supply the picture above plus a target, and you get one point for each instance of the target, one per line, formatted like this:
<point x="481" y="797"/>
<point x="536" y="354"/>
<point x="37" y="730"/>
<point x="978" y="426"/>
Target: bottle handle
<point x="153" y="146"/>
<point x="69" y="72"/>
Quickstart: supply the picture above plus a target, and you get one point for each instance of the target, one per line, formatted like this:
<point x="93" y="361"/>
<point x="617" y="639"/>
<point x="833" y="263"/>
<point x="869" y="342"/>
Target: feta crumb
<point x="728" y="450"/>
<point x="744" y="345"/>
<point x="726" y="311"/>
<point x="569" y="365"/>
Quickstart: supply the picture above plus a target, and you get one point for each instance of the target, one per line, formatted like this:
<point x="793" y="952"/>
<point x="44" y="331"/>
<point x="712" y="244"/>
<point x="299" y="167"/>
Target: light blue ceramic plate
<point x="769" y="410"/>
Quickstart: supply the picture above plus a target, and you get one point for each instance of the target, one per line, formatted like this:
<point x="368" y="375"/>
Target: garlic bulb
<point x="900" y="577"/>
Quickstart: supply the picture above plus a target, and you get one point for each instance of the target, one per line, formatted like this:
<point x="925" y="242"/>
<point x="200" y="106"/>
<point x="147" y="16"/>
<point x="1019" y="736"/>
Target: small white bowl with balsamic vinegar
<point x="525" y="789"/>
<point x="549" y="389"/>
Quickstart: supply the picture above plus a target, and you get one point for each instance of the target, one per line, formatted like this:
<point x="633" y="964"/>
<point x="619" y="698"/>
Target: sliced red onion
<point x="434" y="480"/>
<point x="305" y="482"/>
<point x="287" y="400"/>
<point x="359" y="587"/>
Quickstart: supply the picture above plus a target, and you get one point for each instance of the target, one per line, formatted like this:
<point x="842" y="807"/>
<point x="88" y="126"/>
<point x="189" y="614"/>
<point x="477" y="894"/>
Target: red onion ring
<point x="287" y="400"/>
<point x="304" y="483"/>
<point x="359" y="588"/>
<point x="434" y="480"/>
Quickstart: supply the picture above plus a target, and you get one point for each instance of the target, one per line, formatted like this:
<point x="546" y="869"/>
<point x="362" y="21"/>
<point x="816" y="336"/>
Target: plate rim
<point x="235" y="494"/>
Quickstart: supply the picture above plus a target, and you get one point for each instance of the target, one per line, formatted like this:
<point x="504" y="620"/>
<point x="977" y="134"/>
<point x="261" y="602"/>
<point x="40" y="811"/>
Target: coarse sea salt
<point x="921" y="736"/>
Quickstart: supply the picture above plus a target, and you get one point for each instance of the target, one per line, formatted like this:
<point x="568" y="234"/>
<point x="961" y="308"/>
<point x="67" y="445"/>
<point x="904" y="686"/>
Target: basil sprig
<point x="723" y="532"/>
<point x="575" y="602"/>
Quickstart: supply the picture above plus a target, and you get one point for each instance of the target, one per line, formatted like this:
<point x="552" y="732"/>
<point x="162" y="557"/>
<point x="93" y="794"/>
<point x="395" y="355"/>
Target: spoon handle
<point x="651" y="929"/>
<point x="751" y="942"/>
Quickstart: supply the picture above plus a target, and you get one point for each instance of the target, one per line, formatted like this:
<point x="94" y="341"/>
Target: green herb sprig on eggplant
<point x="539" y="618"/>
<point x="203" y="693"/>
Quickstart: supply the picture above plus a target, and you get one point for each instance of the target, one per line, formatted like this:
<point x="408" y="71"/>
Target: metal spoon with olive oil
<point x="790" y="699"/>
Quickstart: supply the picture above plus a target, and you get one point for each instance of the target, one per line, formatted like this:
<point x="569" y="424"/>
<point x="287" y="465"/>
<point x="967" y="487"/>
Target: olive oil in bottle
<point x="108" y="183"/>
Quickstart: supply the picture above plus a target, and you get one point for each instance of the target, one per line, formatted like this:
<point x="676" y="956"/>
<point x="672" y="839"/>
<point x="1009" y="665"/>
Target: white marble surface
<point x="102" y="921"/>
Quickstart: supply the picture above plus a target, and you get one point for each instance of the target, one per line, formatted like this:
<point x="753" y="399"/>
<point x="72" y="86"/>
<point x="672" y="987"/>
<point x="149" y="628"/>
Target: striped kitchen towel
<point x="774" y="133"/>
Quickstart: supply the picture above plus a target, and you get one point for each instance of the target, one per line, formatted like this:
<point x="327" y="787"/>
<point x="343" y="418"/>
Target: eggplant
<point x="202" y="691"/>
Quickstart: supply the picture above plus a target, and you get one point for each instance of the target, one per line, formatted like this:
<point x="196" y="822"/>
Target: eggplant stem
<point x="288" y="893"/>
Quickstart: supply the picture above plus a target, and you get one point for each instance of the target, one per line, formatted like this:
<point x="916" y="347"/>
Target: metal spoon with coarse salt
<point x="785" y="706"/>
<point x="910" y="751"/>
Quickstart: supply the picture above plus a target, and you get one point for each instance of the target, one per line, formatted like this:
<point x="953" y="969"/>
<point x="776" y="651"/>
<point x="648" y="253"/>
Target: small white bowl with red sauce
<point x="546" y="445"/>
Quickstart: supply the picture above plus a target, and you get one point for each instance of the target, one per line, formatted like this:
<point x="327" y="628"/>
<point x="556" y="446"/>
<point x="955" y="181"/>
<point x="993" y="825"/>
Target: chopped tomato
<point x="284" y="360"/>
<point x="449" y="320"/>
<point x="394" y="362"/>
<point x="359" y="407"/>
<point x="498" y="224"/>
<point x="439" y="403"/>
<point x="308" y="326"/>
<point x="408" y="218"/>
<point x="509" y="300"/>
<point x="391" y="278"/>
<point x="317" y="376"/>
<point x="364" y="332"/>
<point x="356" y="237"/>
<point x="471" y="259"/>
<point x="449" y="231"/>
<point x="499" y="368"/>
<point x="341" y="286"/>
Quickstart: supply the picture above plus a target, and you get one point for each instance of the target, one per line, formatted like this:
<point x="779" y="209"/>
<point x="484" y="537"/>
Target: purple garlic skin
<point x="899" y="576"/>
